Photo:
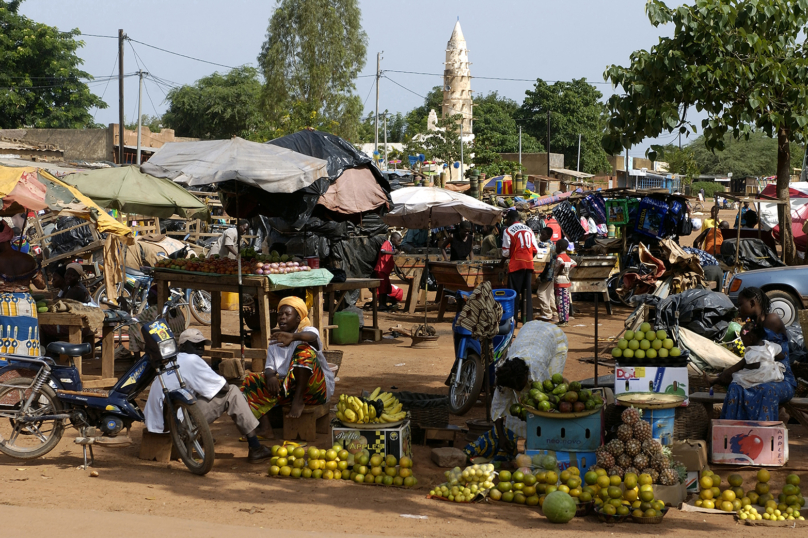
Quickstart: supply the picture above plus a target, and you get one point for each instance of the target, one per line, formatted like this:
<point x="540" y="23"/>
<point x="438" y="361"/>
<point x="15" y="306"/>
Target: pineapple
<point x="641" y="461"/>
<point x="651" y="447"/>
<point x="660" y="462"/>
<point x="633" y="447"/>
<point x="642" y="431"/>
<point x="653" y="472"/>
<point x="624" y="460"/>
<point x="624" y="432"/>
<point x="630" y="416"/>
<point x="669" y="477"/>
<point x="605" y="460"/>
<point x="616" y="471"/>
<point x="632" y="470"/>
<point x="615" y="447"/>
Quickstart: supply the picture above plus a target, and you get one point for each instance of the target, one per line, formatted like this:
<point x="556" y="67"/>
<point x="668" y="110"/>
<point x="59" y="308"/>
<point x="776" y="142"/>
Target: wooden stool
<point x="454" y="434"/>
<point x="157" y="447"/>
<point x="315" y="419"/>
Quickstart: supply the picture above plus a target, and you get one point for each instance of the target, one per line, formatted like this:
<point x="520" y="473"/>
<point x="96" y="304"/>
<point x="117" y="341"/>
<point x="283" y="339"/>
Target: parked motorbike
<point x="465" y="381"/>
<point x="36" y="405"/>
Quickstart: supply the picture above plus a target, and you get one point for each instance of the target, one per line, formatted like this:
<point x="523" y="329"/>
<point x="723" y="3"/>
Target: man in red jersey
<point x="519" y="247"/>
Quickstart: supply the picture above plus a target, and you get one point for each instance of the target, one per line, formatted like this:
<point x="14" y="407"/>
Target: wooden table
<point x="74" y="324"/>
<point x="351" y="284"/>
<point x="410" y="267"/>
<point x="258" y="286"/>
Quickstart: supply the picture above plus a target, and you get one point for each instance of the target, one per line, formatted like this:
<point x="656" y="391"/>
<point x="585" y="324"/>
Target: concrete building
<point x="457" y="80"/>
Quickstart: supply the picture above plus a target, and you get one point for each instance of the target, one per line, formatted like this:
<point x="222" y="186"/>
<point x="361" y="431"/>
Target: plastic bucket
<point x="229" y="301"/>
<point x="347" y="331"/>
<point x="313" y="262"/>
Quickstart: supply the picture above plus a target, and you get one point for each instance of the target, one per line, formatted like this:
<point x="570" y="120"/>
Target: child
<point x="384" y="266"/>
<point x="563" y="265"/>
<point x="760" y="358"/>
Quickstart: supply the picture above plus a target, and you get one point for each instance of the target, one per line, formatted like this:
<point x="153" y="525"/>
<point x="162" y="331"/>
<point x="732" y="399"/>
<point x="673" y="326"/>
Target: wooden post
<point x="216" y="319"/>
<point x="108" y="352"/>
<point x="317" y="308"/>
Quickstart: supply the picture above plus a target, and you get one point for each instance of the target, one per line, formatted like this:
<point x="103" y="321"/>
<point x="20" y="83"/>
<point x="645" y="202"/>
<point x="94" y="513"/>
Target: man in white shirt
<point x="227" y="244"/>
<point x="214" y="395"/>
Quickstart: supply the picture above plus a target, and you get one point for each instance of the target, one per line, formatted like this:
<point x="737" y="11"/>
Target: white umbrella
<point x="422" y="207"/>
<point x="425" y="207"/>
<point x="265" y="166"/>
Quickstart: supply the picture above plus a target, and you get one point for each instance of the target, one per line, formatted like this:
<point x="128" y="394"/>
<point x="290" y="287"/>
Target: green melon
<point x="559" y="507"/>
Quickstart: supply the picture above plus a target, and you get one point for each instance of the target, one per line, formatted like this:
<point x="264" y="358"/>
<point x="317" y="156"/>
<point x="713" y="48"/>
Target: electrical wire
<point x="96" y="35"/>
<point x="88" y="84"/>
<point x="486" y="78"/>
<point x="107" y="86"/>
<point x="368" y="95"/>
<point x="150" y="100"/>
<point x="181" y="55"/>
<point x="409" y="90"/>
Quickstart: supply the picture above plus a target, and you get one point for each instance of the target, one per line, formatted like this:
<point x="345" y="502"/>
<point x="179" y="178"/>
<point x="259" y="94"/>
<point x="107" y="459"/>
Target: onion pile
<point x="281" y="268"/>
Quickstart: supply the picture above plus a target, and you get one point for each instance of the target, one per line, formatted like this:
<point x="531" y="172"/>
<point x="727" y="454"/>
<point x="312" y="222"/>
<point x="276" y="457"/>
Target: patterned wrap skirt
<point x="19" y="328"/>
<point x="261" y="402"/>
<point x="489" y="447"/>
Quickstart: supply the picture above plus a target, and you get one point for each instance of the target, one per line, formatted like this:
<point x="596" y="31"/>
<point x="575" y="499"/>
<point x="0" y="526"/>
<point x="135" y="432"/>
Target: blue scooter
<point x="466" y="379"/>
<point x="35" y="405"/>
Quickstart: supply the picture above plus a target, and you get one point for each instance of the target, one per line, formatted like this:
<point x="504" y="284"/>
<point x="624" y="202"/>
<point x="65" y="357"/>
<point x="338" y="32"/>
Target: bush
<point x="710" y="189"/>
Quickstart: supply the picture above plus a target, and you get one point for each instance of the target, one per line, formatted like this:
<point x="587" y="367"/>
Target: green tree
<point x="396" y="127"/>
<point x="41" y="84"/>
<point x="314" y="50"/>
<point x="681" y="161"/>
<point x="575" y="108"/>
<point x="444" y="143"/>
<point x="755" y="156"/>
<point x="217" y="106"/>
<point x="740" y="62"/>
<point x="496" y="131"/>
<point x="154" y="123"/>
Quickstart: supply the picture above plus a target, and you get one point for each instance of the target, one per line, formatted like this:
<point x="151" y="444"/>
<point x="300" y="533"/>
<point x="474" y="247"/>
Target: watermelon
<point x="559" y="507"/>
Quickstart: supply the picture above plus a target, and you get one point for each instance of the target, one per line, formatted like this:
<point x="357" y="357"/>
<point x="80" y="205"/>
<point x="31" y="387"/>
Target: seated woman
<point x="296" y="372"/>
<point x="759" y="402"/>
<point x="539" y="350"/>
<point x="19" y="328"/>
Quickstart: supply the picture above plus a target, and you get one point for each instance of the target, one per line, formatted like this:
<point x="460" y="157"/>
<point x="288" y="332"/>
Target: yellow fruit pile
<point x="635" y="498"/>
<point x="354" y="410"/>
<point x="735" y="499"/>
<point x="464" y="485"/>
<point x="521" y="487"/>
<point x="333" y="464"/>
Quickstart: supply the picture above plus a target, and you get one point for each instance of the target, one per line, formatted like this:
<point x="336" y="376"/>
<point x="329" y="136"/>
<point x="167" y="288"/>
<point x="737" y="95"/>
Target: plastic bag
<point x="704" y="312"/>
<point x="796" y="344"/>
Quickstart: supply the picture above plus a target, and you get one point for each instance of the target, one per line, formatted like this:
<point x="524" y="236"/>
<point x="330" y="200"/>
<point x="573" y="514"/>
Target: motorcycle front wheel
<point x="28" y="440"/>
<point x="463" y="393"/>
<point x="192" y="438"/>
<point x="200" y="303"/>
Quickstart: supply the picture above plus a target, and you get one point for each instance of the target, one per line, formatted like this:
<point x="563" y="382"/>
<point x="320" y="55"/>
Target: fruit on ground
<point x="559" y="507"/>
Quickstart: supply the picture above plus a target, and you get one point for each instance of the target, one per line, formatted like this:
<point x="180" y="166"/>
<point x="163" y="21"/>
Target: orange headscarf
<point x="300" y="306"/>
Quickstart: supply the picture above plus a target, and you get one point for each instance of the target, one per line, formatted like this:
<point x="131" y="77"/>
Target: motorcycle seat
<point x="71" y="350"/>
<point x="134" y="272"/>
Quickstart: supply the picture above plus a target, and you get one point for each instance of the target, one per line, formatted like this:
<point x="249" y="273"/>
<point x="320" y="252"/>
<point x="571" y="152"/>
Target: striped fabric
<point x="481" y="313"/>
<point x="255" y="389"/>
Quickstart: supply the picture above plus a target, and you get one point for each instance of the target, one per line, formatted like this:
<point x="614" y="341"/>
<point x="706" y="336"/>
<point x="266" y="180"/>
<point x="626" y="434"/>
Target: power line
<point x="96" y="35"/>
<point x="486" y="78"/>
<point x="114" y="64"/>
<point x="88" y="84"/>
<point x="368" y="95"/>
<point x="150" y="100"/>
<point x="182" y="55"/>
<point x="409" y="90"/>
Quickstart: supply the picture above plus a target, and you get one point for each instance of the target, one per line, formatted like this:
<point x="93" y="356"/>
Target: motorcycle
<point x="466" y="378"/>
<point x="37" y="403"/>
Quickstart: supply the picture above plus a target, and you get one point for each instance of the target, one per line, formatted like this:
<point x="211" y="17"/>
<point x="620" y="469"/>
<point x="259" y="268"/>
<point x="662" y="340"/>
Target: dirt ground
<point x="141" y="498"/>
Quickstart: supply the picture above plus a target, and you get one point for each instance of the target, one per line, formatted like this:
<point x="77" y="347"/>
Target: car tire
<point x="784" y="305"/>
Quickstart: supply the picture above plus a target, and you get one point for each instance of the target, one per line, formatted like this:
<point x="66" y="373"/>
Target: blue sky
<point x="519" y="39"/>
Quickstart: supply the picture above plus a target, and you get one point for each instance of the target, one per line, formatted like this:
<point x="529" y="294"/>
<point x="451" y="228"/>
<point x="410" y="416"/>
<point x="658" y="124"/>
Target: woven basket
<point x="334" y="357"/>
<point x="691" y="422"/>
<point x="426" y="410"/>
<point x="696" y="383"/>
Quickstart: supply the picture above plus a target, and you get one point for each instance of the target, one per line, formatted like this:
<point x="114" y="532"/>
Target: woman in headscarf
<point x="296" y="372"/>
<point x="19" y="329"/>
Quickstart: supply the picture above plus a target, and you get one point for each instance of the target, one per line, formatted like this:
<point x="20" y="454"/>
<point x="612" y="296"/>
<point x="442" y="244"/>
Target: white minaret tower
<point x="457" y="80"/>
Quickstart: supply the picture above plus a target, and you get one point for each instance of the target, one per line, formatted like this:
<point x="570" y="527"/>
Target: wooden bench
<point x="796" y="407"/>
<point x="315" y="419"/>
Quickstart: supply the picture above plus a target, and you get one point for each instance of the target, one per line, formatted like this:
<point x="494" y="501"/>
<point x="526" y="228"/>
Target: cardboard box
<point x="582" y="460"/>
<point x="749" y="442"/>
<point x="383" y="441"/>
<point x="660" y="379"/>
<point x="691" y="452"/>
<point x="671" y="495"/>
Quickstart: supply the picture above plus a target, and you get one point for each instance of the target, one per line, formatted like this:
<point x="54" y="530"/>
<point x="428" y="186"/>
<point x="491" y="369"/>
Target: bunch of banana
<point x="392" y="407"/>
<point x="353" y="410"/>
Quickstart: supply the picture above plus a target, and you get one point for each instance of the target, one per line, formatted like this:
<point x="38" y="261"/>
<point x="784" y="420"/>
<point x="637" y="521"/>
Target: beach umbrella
<point x="129" y="190"/>
<point x="425" y="207"/>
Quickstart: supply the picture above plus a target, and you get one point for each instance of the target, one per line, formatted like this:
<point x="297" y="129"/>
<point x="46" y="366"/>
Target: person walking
<point x="544" y="293"/>
<point x="519" y="247"/>
<point x="563" y="266"/>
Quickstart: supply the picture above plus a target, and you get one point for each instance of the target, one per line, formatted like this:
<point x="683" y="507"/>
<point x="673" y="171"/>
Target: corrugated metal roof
<point x="573" y="173"/>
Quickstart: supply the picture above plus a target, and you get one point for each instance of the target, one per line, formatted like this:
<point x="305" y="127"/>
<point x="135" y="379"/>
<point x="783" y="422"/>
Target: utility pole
<point x="578" y="168"/>
<point x="626" y="163"/>
<point x="120" y="96"/>
<point x="139" y="116"/>
<point x="461" y="151"/>
<point x="520" y="147"/>
<point x="386" y="167"/>
<point x="548" y="143"/>
<point x="378" y="76"/>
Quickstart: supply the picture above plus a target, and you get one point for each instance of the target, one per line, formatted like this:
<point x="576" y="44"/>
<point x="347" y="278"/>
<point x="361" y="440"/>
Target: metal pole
<point x="520" y="147"/>
<point x="548" y="143"/>
<point x="386" y="167"/>
<point x="376" y="127"/>
<point x="461" y="151"/>
<point x="120" y="97"/>
<point x="596" y="339"/>
<point x="578" y="168"/>
<point x="626" y="167"/>
<point x="139" y="113"/>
